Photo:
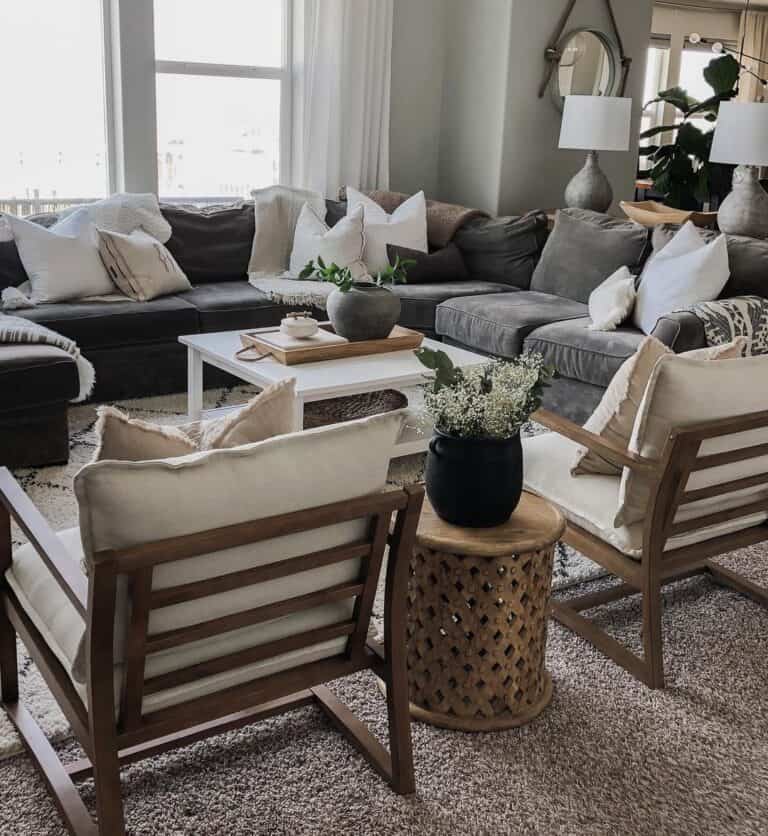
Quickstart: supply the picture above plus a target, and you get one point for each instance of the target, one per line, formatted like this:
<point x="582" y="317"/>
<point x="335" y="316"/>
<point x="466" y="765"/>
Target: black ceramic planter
<point x="474" y="483"/>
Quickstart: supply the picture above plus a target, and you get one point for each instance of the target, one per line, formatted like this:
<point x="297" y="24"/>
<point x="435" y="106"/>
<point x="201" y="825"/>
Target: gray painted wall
<point x="492" y="143"/>
<point x="534" y="171"/>
<point x="418" y="54"/>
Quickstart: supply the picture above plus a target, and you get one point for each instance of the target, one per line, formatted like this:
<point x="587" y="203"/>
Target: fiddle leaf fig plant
<point x="681" y="170"/>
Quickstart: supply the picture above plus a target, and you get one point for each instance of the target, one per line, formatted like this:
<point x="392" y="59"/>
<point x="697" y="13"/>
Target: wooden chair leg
<point x="652" y="636"/>
<point x="9" y="665"/>
<point x="109" y="799"/>
<point x="400" y="745"/>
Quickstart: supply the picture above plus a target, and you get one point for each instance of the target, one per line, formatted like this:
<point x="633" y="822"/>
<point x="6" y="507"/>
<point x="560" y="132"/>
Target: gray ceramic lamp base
<point x="745" y="210"/>
<point x="590" y="188"/>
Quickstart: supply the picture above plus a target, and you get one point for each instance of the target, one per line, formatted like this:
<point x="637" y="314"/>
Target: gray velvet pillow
<point x="503" y="250"/>
<point x="583" y="250"/>
<point x="748" y="259"/>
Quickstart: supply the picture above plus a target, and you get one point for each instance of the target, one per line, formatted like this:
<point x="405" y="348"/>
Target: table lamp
<point x="594" y="123"/>
<point x="741" y="139"/>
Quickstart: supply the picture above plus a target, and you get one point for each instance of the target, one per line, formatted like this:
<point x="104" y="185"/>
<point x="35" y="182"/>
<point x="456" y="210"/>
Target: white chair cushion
<point x="62" y="628"/>
<point x="589" y="501"/>
<point x="683" y="391"/>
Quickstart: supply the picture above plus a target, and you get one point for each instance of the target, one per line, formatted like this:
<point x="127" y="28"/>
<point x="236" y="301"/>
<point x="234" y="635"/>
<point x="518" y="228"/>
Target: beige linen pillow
<point x="684" y="391"/>
<point x="140" y="265"/>
<point x="122" y="438"/>
<point x="614" y="418"/>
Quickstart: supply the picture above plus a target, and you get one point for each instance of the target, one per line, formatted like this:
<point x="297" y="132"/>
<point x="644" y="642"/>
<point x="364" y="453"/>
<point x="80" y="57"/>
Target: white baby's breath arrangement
<point x="490" y="402"/>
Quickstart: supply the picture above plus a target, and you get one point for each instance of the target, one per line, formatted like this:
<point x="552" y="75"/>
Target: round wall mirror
<point x="588" y="66"/>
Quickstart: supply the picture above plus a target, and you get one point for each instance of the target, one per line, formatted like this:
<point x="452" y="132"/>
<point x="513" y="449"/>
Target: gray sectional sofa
<point x="525" y="292"/>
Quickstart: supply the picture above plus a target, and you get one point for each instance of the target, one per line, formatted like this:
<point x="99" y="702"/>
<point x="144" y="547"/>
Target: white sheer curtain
<point x="342" y="70"/>
<point x="754" y="30"/>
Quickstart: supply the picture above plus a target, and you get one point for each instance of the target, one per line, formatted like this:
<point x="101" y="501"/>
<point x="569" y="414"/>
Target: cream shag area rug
<point x="607" y="756"/>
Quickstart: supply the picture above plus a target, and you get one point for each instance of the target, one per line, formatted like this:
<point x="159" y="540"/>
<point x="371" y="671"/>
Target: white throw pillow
<point x="611" y="302"/>
<point x="405" y="227"/>
<point x="343" y="244"/>
<point x="685" y="272"/>
<point x="63" y="262"/>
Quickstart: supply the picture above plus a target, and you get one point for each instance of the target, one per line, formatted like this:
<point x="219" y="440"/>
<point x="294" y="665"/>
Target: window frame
<point x="283" y="74"/>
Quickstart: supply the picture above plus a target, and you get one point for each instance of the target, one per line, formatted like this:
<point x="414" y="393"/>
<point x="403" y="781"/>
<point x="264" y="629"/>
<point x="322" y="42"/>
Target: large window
<point x="656" y="77"/>
<point x="53" y="139"/>
<point x="223" y="96"/>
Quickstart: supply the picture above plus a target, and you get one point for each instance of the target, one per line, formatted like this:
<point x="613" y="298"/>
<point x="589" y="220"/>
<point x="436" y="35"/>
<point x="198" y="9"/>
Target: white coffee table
<point x="317" y="381"/>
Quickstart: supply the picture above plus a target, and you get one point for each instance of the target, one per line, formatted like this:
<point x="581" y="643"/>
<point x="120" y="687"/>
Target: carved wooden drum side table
<point x="478" y="602"/>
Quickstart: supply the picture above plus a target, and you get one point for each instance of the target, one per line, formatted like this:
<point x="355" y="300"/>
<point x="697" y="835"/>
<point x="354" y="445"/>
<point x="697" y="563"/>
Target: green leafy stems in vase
<point x="342" y="277"/>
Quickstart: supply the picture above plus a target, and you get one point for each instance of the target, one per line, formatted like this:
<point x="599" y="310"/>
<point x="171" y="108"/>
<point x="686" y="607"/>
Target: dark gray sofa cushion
<point x="443" y="265"/>
<point x="420" y="301"/>
<point x="335" y="210"/>
<point x="580" y="354"/>
<point x="114" y="324"/>
<point x="36" y="375"/>
<point x="212" y="244"/>
<point x="503" y="249"/>
<point x="498" y="324"/>
<point x="583" y="250"/>
<point x="748" y="259"/>
<point x="231" y="306"/>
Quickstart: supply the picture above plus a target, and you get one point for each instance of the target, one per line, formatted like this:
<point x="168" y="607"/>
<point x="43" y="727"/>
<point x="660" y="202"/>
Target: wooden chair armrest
<point x="48" y="546"/>
<point x="568" y="429"/>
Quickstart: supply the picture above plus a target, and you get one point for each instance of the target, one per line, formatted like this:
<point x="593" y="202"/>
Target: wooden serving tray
<point x="401" y="339"/>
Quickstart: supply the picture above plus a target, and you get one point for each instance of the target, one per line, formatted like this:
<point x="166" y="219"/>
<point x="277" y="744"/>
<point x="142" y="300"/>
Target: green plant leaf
<point x="722" y="74"/>
<point x="692" y="140"/>
<point x="307" y="271"/>
<point x="446" y="374"/>
<point x="677" y="97"/>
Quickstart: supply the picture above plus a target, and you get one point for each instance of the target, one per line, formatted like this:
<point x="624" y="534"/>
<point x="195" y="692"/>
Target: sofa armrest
<point x="681" y="331"/>
<point x="41" y="535"/>
<point x="562" y="426"/>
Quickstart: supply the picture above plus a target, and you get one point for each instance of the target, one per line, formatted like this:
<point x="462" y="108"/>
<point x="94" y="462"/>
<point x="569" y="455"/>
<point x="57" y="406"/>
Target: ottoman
<point x="36" y="384"/>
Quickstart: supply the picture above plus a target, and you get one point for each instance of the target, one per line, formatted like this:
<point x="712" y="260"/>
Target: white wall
<point x="418" y="54"/>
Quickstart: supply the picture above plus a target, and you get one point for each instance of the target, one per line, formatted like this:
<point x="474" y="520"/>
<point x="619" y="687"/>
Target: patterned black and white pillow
<point x="742" y="316"/>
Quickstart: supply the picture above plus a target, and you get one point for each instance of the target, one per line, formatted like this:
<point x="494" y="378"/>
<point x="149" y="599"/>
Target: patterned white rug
<point x="50" y="488"/>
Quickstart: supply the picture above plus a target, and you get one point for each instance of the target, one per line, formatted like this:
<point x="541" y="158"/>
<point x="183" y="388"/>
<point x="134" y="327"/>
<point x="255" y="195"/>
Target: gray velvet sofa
<point x="550" y="315"/>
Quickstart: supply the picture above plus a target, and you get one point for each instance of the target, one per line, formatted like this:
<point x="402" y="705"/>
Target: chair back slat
<point x="260" y="574"/>
<point x="132" y="693"/>
<point x="248" y="618"/>
<point x="249" y="656"/>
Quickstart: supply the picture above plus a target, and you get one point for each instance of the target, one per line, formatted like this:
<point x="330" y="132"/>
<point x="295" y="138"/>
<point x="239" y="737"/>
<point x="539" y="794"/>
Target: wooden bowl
<point x="651" y="213"/>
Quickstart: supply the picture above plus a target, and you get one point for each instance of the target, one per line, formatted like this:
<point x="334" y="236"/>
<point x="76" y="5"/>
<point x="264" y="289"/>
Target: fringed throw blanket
<point x="300" y="294"/>
<point x="742" y="316"/>
<point x="16" y="330"/>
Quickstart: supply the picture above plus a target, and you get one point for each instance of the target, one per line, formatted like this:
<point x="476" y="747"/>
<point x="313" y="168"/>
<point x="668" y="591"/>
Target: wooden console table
<point x="477" y="620"/>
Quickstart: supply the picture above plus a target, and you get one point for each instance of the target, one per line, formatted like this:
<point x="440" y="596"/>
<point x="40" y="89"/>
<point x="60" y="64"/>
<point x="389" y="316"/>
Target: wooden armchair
<point x="671" y="543"/>
<point x="170" y="654"/>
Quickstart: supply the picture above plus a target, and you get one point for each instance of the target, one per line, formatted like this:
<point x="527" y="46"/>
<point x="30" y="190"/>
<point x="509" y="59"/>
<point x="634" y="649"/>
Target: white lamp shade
<point x="741" y="135"/>
<point x="596" y="123"/>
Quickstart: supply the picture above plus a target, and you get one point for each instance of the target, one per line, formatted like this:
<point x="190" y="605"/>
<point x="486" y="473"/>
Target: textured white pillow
<point x="63" y="262"/>
<point x="611" y="302"/>
<point x="343" y="244"/>
<point x="685" y="272"/>
<point x="405" y="227"/>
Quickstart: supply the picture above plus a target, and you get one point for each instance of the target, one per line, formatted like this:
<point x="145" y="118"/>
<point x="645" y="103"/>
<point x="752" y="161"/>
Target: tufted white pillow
<point x="342" y="244"/>
<point x="405" y="227"/>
